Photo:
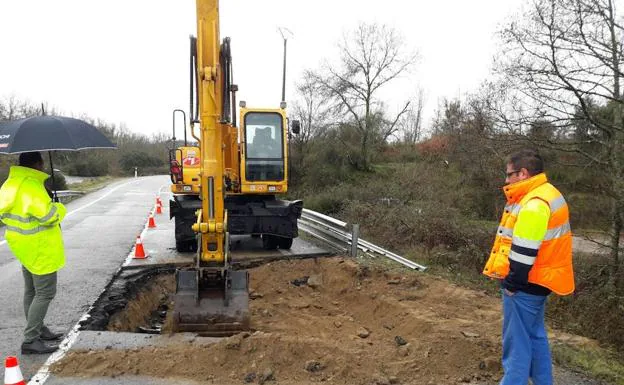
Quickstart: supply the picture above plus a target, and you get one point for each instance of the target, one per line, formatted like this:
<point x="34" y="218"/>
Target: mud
<point x="330" y="320"/>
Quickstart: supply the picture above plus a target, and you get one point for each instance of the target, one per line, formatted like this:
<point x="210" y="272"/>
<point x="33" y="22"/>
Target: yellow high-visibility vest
<point x="32" y="221"/>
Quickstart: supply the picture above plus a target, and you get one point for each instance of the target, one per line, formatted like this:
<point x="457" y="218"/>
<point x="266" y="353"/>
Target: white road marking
<point x="100" y="198"/>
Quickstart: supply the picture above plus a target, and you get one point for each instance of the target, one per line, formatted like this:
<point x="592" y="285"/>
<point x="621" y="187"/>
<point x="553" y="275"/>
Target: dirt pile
<point x="334" y="321"/>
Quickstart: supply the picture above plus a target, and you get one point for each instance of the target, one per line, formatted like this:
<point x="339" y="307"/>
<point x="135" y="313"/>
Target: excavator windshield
<point x="264" y="155"/>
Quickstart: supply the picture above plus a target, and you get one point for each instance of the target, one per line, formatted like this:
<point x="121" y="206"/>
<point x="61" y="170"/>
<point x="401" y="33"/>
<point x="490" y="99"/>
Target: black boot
<point x="48" y="335"/>
<point x="38" y="347"/>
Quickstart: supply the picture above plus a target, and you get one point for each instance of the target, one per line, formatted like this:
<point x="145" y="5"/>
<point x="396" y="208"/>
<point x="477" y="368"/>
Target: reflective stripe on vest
<point x="36" y="230"/>
<point x="557" y="232"/>
<point x="505" y="232"/>
<point x="49" y="216"/>
<point x="19" y="218"/>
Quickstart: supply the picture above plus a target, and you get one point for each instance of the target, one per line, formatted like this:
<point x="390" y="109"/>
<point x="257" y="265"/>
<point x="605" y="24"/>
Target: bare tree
<point x="411" y="123"/>
<point x="12" y="108"/>
<point x="313" y="111"/>
<point x="371" y="56"/>
<point x="563" y="58"/>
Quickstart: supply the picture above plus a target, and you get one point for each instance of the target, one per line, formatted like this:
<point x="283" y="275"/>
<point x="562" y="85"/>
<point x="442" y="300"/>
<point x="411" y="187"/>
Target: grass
<point x="598" y="362"/>
<point x="89" y="185"/>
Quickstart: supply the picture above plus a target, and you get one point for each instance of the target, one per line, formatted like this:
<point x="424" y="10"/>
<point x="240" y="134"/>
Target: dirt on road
<point x="331" y="320"/>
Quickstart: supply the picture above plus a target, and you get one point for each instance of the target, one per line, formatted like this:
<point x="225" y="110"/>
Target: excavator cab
<point x="263" y="154"/>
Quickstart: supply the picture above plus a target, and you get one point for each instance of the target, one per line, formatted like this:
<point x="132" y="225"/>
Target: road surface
<point x="99" y="231"/>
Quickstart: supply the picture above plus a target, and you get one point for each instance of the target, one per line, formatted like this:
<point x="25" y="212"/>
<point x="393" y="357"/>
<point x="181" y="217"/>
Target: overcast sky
<point x="127" y="61"/>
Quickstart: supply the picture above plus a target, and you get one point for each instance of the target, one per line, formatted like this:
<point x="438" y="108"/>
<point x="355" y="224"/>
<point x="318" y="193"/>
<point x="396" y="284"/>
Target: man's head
<point x="523" y="165"/>
<point x="32" y="160"/>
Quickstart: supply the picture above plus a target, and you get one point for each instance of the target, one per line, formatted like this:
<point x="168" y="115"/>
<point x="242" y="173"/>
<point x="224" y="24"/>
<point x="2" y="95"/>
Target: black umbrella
<point x="48" y="133"/>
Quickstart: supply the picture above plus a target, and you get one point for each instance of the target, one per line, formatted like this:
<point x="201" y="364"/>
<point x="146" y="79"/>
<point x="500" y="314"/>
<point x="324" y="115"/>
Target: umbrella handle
<point x="55" y="197"/>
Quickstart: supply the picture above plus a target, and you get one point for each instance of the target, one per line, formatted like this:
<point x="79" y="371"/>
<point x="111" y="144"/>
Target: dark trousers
<point x="39" y="290"/>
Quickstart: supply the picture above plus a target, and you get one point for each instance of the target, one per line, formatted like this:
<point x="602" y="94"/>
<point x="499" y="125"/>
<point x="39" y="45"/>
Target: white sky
<point x="127" y="61"/>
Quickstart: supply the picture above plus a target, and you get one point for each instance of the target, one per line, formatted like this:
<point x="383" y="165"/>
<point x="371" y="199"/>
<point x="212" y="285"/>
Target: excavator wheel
<point x="186" y="246"/>
<point x="269" y="242"/>
<point x="285" y="243"/>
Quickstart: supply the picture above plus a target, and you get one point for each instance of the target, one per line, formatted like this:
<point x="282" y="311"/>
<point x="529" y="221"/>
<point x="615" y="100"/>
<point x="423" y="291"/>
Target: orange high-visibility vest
<point x="553" y="265"/>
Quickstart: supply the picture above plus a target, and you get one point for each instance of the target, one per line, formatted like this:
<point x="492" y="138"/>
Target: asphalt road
<point x="99" y="231"/>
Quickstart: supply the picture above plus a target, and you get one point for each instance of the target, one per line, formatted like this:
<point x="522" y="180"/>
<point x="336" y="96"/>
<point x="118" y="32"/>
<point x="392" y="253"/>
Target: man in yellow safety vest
<point x="34" y="236"/>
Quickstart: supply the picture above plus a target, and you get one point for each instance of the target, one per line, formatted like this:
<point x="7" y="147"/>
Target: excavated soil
<point x="147" y="311"/>
<point x="329" y="320"/>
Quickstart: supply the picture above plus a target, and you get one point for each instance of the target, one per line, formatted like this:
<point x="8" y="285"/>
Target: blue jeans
<point x="525" y="342"/>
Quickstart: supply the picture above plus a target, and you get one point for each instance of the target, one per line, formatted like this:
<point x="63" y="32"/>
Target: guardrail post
<point x="355" y="234"/>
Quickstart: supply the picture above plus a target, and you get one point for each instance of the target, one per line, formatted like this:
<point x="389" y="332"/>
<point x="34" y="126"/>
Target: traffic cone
<point x="12" y="372"/>
<point x="151" y="224"/>
<point x="139" y="252"/>
<point x="158" y="208"/>
<point x="158" y="201"/>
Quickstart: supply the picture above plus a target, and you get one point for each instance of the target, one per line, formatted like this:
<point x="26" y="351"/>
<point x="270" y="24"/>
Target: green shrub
<point x="88" y="167"/>
<point x="589" y="211"/>
<point x="140" y="159"/>
<point x="595" y="309"/>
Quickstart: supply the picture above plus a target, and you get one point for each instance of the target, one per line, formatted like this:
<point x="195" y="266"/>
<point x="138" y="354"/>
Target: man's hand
<point x="509" y="293"/>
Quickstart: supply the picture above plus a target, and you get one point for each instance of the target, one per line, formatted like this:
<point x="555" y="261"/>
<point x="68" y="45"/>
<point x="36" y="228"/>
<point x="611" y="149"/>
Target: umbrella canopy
<point x="47" y="133"/>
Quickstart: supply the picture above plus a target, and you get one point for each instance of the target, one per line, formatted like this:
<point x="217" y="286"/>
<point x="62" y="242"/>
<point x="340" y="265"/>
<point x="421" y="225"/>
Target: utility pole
<point x="285" y="32"/>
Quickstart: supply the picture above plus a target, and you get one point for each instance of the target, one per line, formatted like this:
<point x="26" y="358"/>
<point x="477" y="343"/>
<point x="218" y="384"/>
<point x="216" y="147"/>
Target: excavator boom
<point x="211" y="297"/>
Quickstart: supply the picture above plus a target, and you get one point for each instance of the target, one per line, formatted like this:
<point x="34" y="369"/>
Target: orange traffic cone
<point x="139" y="252"/>
<point x="12" y="372"/>
<point x="158" y="201"/>
<point x="158" y="208"/>
<point x="151" y="224"/>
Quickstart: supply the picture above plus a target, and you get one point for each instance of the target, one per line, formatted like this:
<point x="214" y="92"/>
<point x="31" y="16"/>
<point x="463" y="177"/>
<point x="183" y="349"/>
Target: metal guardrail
<point x="66" y="195"/>
<point x="336" y="233"/>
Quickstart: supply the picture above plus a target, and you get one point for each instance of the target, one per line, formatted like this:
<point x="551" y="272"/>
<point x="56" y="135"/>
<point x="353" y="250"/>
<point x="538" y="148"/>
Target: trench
<point x="140" y="300"/>
<point x="136" y="301"/>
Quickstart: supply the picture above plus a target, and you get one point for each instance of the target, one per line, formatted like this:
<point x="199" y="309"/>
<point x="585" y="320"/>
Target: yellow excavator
<point x="225" y="183"/>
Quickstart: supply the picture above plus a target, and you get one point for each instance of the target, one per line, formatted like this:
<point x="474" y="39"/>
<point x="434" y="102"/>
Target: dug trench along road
<point x="99" y="231"/>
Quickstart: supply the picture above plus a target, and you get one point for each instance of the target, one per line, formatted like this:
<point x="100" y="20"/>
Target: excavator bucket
<point x="211" y="307"/>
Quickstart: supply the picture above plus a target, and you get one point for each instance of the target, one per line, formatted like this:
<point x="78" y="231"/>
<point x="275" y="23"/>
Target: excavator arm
<point x="211" y="297"/>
